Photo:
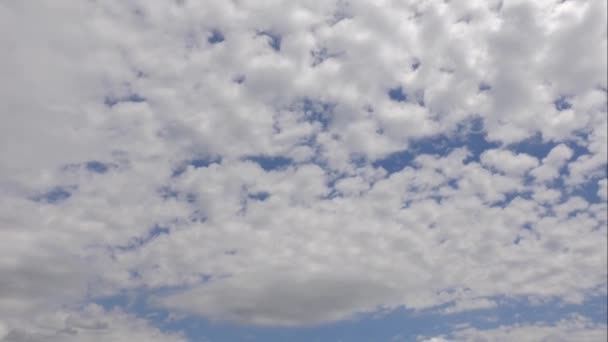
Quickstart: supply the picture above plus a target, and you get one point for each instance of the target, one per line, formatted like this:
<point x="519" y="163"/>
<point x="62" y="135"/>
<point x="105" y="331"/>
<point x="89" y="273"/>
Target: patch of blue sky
<point x="55" y="195"/>
<point x="539" y="148"/>
<point x="470" y="135"/>
<point x="587" y="190"/>
<point x="96" y="166"/>
<point x="93" y="166"/>
<point x="215" y="37"/>
<point x="397" y="94"/>
<point x="378" y="326"/>
<point x="562" y="103"/>
<point x="271" y="163"/>
<point x="111" y="100"/>
<point x="396" y="162"/>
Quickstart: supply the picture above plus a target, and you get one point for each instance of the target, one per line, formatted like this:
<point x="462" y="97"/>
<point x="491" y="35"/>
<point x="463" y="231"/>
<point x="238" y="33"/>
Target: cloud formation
<point x="286" y="163"/>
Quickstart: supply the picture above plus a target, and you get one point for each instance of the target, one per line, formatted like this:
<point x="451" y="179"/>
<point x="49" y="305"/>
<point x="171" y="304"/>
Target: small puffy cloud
<point x="552" y="163"/>
<point x="558" y="156"/>
<point x="352" y="186"/>
<point x="508" y="162"/>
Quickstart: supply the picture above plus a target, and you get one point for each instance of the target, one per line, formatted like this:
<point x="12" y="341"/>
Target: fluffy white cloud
<point x="130" y="132"/>
<point x="508" y="162"/>
<point x="552" y="163"/>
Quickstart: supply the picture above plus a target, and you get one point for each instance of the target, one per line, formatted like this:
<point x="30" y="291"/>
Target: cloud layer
<point x="285" y="164"/>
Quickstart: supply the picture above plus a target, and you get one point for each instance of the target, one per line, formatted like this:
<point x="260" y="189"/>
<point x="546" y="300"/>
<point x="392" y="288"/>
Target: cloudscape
<point x="323" y="171"/>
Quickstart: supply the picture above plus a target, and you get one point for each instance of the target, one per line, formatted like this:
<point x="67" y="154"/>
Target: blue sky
<point x="397" y="325"/>
<point x="187" y="171"/>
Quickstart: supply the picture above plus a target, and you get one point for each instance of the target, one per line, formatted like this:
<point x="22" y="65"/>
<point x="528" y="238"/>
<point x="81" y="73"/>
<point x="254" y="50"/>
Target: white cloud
<point x="508" y="162"/>
<point x="552" y="163"/>
<point x="287" y="299"/>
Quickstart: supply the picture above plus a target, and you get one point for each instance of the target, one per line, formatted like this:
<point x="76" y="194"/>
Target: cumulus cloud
<point x="552" y="163"/>
<point x="233" y="151"/>
<point x="508" y="162"/>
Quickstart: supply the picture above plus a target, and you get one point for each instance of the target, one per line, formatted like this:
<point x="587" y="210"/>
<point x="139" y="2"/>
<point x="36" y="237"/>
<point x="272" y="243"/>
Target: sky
<point x="325" y="171"/>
